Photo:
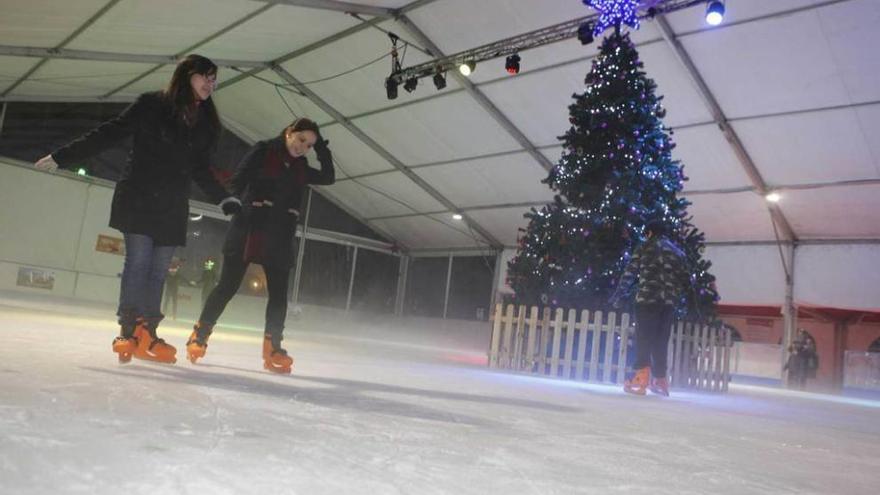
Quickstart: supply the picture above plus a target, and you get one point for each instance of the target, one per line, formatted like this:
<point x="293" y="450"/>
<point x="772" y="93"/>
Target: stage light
<point x="440" y="80"/>
<point x="391" y="88"/>
<point x="410" y="84"/>
<point x="585" y="33"/>
<point x="457" y="217"/>
<point x="511" y="65"/>
<point x="773" y="197"/>
<point x="467" y="68"/>
<point x="715" y="12"/>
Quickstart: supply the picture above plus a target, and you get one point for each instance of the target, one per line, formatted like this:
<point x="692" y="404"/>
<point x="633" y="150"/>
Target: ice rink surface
<point x="372" y="416"/>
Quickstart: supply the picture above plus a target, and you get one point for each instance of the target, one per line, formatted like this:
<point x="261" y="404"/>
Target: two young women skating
<point x="173" y="133"/>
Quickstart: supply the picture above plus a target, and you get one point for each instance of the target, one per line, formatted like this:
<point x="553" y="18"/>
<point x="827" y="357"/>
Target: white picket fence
<point x="594" y="347"/>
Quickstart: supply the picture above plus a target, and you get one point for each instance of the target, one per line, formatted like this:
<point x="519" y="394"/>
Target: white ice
<point x="363" y="415"/>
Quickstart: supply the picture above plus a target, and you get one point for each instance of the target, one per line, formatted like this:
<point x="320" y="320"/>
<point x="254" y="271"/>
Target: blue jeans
<point x="143" y="278"/>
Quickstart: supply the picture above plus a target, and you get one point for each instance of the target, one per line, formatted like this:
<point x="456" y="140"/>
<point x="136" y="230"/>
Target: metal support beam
<point x="109" y="5"/>
<point x="448" y="283"/>
<point x="523" y="42"/>
<point x="346" y="7"/>
<point x="3" y="116"/>
<point x="695" y="192"/>
<point x="363" y="137"/>
<point x="354" y="262"/>
<point x="400" y="296"/>
<point x="444" y="252"/>
<point x="789" y="312"/>
<point x="301" y="250"/>
<point x="496" y="281"/>
<point x="745" y="160"/>
<point x="481" y="98"/>
<point x="69" y="54"/>
<point x="67" y="99"/>
<point x="324" y="42"/>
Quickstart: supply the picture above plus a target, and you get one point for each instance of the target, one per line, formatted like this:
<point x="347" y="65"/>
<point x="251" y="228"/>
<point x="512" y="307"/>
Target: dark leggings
<point x="233" y="272"/>
<point x="653" y="326"/>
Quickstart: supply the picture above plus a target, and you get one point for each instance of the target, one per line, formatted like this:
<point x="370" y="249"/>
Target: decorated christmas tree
<point x="616" y="175"/>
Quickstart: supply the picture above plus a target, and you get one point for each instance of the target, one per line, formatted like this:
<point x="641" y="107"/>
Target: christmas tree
<point x="616" y="175"/>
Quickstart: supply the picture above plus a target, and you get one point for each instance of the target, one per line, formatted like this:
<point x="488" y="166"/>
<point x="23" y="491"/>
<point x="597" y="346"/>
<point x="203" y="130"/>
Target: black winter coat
<point x="152" y="196"/>
<point x="271" y="184"/>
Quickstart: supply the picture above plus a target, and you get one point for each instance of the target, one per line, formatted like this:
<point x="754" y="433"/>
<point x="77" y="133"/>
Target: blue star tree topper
<point x="614" y="13"/>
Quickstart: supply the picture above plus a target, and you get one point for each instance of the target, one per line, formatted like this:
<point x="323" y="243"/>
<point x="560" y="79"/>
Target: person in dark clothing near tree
<point x="174" y="132"/>
<point x="659" y="268"/>
<point x="271" y="181"/>
<point x="796" y="365"/>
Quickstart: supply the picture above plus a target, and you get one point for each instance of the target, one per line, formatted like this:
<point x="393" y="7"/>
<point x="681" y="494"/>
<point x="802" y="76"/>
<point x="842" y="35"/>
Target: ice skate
<point x="149" y="346"/>
<point x="275" y="359"/>
<point x="197" y="344"/>
<point x="638" y="383"/>
<point x="659" y="386"/>
<point x="125" y="344"/>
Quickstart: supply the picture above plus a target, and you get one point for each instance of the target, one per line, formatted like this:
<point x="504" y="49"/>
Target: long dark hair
<point x="183" y="101"/>
<point x="301" y="124"/>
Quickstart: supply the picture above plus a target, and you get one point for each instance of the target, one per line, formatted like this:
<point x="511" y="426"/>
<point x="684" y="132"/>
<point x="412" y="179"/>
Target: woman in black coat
<point x="271" y="180"/>
<point x="173" y="134"/>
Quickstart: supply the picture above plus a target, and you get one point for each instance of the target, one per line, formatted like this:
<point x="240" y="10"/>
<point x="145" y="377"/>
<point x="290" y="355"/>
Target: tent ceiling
<point x="798" y="81"/>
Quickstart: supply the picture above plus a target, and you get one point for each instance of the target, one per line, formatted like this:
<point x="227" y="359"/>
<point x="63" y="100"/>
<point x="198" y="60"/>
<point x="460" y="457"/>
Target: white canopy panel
<point x="158" y="27"/>
<point x="761" y="281"/>
<point x="840" y="276"/>
<point x="489" y="181"/>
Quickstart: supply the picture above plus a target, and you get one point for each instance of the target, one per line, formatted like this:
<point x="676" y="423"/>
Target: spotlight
<point x="440" y="80"/>
<point x="512" y="64"/>
<point x="715" y="12"/>
<point x="467" y="67"/>
<point x="391" y="88"/>
<point x="773" y="197"/>
<point x="82" y="171"/>
<point x="585" y="33"/>
<point x="457" y="216"/>
<point x="410" y="84"/>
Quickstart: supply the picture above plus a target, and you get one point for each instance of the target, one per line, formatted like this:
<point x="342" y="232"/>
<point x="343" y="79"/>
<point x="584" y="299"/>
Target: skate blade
<point x="194" y="356"/>
<point x="634" y="391"/>
<point x="282" y="370"/>
<point x="156" y="359"/>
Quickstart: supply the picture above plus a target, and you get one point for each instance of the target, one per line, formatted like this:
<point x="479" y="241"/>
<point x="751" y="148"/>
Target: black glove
<point x="230" y="206"/>
<point x="321" y="145"/>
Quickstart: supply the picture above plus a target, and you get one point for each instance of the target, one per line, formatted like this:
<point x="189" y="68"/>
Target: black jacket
<point x="152" y="196"/>
<point x="271" y="185"/>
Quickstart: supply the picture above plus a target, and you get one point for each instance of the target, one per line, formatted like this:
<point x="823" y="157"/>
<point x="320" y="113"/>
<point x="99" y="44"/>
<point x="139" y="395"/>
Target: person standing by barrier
<point x="658" y="267"/>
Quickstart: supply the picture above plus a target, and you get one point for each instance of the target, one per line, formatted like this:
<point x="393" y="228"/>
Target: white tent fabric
<point x="798" y="81"/>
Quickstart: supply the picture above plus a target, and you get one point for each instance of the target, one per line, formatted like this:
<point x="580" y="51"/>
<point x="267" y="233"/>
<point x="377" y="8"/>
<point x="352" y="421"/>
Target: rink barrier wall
<point x="595" y="347"/>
